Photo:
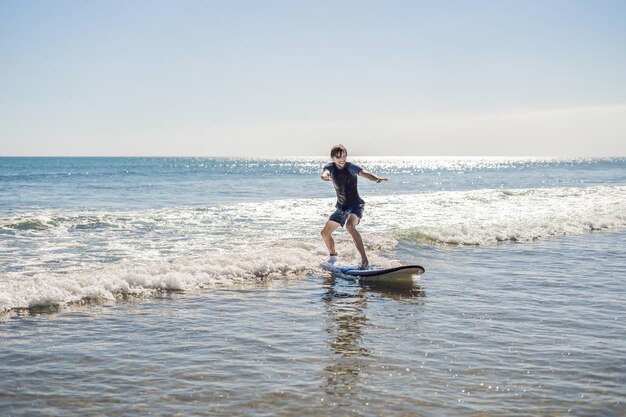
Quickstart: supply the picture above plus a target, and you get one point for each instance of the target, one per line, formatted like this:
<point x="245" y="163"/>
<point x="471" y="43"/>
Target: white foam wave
<point x="51" y="258"/>
<point x="140" y="278"/>
<point x="279" y="259"/>
<point x="484" y="217"/>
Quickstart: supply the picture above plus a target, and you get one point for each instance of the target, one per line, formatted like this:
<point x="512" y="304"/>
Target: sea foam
<point x="73" y="256"/>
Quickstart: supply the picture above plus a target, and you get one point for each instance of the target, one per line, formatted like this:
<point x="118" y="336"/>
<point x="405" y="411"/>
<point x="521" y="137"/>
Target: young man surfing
<point x="349" y="207"/>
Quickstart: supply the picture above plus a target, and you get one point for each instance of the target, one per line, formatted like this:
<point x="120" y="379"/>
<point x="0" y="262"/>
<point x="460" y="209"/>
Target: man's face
<point x="340" y="160"/>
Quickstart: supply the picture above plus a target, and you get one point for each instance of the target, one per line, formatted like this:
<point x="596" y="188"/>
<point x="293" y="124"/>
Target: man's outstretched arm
<point x="372" y="177"/>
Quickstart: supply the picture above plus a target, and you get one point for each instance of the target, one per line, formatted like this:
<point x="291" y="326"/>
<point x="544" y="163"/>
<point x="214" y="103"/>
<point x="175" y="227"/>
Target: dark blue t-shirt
<point x="345" y="183"/>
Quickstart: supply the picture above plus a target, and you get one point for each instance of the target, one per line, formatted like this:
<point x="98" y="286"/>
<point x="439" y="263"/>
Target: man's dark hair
<point x="337" y="151"/>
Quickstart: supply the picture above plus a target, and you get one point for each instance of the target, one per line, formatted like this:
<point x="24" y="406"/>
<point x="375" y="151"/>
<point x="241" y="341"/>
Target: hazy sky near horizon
<point x="280" y="78"/>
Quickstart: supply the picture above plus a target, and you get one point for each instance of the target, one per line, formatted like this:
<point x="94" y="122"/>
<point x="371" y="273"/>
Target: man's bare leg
<point x="327" y="235"/>
<point x="351" y="224"/>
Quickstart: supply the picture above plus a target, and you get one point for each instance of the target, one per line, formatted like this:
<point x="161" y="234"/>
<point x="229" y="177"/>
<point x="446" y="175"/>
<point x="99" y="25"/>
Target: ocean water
<point x="192" y="287"/>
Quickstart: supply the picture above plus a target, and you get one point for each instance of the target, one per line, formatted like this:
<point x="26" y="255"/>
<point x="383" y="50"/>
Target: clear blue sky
<point x="260" y="78"/>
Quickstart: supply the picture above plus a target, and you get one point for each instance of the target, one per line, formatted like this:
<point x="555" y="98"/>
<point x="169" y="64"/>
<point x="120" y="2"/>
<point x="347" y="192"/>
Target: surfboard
<point x="405" y="273"/>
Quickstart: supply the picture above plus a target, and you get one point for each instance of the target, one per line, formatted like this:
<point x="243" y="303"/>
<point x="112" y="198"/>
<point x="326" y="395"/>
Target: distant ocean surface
<point x="192" y="286"/>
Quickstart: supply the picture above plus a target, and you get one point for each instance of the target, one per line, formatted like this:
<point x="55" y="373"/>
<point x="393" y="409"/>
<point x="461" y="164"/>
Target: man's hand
<point x="325" y="176"/>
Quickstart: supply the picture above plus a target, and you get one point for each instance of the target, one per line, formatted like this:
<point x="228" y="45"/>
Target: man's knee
<point x="326" y="232"/>
<point x="352" y="222"/>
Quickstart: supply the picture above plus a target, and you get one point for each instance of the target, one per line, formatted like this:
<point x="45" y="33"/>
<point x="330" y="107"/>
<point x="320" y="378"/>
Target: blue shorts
<point x="341" y="216"/>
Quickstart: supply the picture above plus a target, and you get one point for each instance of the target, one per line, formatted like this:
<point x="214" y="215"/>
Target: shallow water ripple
<point x="538" y="334"/>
